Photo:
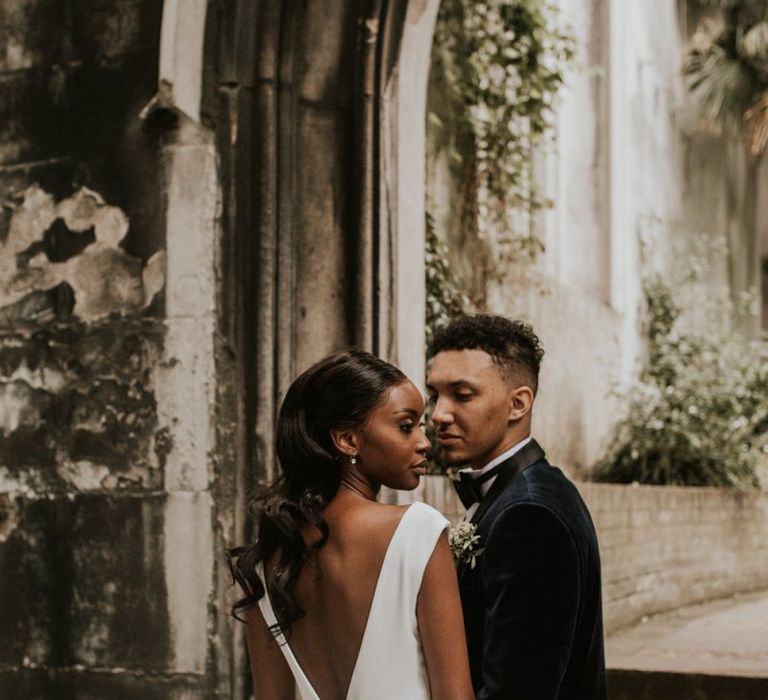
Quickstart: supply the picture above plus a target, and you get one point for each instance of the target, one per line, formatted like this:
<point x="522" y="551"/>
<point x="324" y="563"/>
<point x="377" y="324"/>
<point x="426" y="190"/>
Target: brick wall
<point x="664" y="547"/>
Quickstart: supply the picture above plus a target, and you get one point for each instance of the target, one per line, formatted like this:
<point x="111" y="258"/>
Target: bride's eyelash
<point x="409" y="426"/>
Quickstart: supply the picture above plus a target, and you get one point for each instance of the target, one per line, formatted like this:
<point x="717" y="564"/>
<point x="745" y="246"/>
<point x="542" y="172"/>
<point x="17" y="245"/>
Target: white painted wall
<point x="632" y="162"/>
<point x="616" y="176"/>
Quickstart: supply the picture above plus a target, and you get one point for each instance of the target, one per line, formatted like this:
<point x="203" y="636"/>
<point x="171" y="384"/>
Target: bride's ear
<point x="346" y="441"/>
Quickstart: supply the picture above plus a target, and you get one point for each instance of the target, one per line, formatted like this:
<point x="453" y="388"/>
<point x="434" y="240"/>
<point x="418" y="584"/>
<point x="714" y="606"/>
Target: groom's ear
<point x="346" y="441"/>
<point x="520" y="402"/>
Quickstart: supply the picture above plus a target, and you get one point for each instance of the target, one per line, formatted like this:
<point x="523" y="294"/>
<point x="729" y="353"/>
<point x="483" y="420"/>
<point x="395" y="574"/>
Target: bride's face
<point x="392" y="443"/>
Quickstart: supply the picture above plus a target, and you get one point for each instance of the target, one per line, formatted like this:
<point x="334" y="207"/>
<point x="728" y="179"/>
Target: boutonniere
<point x="465" y="544"/>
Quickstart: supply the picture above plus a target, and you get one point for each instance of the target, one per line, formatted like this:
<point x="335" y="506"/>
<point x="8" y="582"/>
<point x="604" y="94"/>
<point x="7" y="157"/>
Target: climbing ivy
<point x="445" y="299"/>
<point x="502" y="63"/>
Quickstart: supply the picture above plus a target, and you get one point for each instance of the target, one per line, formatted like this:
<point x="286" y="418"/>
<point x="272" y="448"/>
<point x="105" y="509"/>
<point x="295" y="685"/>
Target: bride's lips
<point x="420" y="468"/>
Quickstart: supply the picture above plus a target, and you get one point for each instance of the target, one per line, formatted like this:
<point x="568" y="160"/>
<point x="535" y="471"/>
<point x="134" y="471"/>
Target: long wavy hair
<point x="338" y="392"/>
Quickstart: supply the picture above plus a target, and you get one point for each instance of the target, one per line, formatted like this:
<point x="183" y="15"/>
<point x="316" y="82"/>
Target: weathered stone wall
<point x="86" y="520"/>
<point x="663" y="547"/>
<point x="201" y="198"/>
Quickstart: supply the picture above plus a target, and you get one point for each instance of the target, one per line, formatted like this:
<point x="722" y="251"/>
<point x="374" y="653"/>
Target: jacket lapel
<point x="518" y="462"/>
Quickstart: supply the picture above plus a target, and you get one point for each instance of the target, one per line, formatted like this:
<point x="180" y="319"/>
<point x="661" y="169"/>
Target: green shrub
<point x="698" y="415"/>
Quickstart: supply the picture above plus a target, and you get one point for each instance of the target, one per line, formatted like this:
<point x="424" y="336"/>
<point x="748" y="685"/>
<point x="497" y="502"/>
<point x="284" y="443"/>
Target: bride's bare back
<point x="337" y="602"/>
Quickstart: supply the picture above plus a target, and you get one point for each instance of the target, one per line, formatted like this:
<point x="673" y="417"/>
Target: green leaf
<point x="434" y="119"/>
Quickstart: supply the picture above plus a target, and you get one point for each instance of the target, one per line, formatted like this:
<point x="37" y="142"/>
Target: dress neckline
<point x="294" y="662"/>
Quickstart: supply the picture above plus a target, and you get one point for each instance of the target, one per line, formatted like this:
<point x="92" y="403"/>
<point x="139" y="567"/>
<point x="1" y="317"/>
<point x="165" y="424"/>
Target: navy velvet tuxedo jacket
<point x="532" y="604"/>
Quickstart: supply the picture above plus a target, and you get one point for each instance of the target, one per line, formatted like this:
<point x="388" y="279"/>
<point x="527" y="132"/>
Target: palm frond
<point x="749" y="5"/>
<point x="727" y="67"/>
<point x="754" y="47"/>
<point x="757" y="124"/>
<point x="724" y="85"/>
<point x="754" y="43"/>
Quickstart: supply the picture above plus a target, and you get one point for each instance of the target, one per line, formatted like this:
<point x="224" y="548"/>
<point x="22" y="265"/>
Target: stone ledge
<point x="655" y="685"/>
<point x="116" y="684"/>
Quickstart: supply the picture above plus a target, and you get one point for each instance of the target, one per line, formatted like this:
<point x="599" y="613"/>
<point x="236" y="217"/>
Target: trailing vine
<point x="445" y="300"/>
<point x="502" y="63"/>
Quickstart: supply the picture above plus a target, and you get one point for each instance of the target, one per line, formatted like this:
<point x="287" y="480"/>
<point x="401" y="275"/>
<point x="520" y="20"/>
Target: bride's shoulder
<point x="365" y="520"/>
<point x="385" y="514"/>
<point x="417" y="511"/>
<point x="376" y="522"/>
<point x="427" y="514"/>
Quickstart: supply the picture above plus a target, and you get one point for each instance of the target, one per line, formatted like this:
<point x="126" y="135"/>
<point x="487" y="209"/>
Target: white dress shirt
<point x="486" y="486"/>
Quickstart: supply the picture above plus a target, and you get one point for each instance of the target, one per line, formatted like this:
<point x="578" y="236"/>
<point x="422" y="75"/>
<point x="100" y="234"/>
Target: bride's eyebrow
<point x="410" y="411"/>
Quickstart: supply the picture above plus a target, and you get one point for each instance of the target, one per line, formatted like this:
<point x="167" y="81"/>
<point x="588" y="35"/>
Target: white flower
<point x="465" y="543"/>
<point x="496" y="74"/>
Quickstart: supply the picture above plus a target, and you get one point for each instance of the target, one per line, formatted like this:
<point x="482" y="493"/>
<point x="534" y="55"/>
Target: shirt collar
<point x="498" y="460"/>
<point x="485" y="487"/>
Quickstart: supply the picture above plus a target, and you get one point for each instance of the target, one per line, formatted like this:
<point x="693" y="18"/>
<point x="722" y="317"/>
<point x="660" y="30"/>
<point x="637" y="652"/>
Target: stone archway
<point x="275" y="178"/>
<point x="317" y="112"/>
<point x="319" y="120"/>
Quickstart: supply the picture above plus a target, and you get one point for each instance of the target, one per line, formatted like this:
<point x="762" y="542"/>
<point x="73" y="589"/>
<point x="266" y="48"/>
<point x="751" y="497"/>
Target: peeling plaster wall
<point x="64" y="259"/>
<point x="108" y="389"/>
<point x="589" y="333"/>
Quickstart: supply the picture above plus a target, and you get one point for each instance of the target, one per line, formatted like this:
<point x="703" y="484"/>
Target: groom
<point x="532" y="606"/>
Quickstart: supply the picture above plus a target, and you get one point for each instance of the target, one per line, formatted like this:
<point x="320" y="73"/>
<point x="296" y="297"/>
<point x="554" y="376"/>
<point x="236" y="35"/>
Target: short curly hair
<point x="513" y="345"/>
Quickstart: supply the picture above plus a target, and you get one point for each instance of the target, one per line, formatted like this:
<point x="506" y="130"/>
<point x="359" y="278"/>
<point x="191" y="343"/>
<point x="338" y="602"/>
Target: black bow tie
<point x="468" y="486"/>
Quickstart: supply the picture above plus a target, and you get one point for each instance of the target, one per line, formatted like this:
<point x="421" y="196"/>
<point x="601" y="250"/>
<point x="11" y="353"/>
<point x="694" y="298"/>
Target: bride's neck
<point x="354" y="484"/>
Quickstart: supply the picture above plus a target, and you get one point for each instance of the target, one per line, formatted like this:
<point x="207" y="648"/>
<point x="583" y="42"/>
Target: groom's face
<point x="472" y="405"/>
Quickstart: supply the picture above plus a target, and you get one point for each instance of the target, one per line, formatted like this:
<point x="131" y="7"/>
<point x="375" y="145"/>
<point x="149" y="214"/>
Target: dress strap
<point x="304" y="688"/>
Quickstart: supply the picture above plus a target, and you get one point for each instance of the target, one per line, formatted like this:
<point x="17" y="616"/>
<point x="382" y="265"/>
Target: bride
<point x="346" y="597"/>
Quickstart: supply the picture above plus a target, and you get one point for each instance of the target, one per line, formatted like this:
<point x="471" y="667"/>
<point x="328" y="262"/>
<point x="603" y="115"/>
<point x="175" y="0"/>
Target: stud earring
<point x="353" y="459"/>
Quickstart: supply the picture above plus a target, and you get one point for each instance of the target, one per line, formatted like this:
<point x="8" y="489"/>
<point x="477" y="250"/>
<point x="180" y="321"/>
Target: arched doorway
<point x="317" y="114"/>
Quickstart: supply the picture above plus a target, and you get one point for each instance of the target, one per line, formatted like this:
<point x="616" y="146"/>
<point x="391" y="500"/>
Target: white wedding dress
<point x="390" y="662"/>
